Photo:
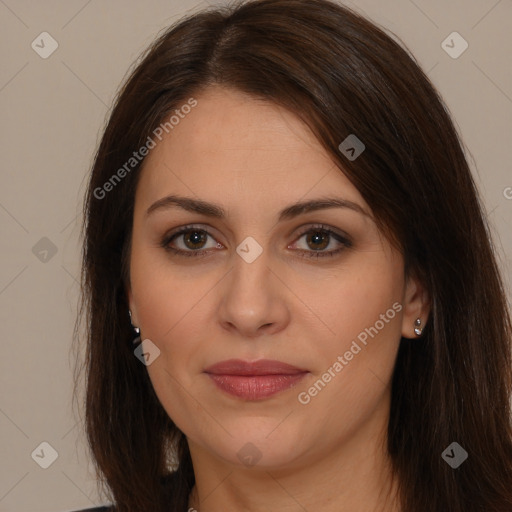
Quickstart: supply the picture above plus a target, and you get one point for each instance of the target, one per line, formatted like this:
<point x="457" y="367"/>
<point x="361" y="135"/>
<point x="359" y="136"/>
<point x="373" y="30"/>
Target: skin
<point x="254" y="158"/>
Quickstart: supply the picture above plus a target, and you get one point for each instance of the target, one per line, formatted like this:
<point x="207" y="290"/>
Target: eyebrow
<point x="216" y="211"/>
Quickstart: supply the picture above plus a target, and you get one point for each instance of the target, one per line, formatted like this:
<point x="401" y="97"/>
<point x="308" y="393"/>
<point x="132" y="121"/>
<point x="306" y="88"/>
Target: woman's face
<point x="319" y="289"/>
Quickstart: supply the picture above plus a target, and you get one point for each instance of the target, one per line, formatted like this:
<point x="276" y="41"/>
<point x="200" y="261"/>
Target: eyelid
<point x="324" y="227"/>
<point x="340" y="236"/>
<point x="189" y="227"/>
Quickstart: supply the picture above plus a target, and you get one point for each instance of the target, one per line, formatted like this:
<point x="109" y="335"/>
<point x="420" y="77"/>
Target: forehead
<point x="236" y="149"/>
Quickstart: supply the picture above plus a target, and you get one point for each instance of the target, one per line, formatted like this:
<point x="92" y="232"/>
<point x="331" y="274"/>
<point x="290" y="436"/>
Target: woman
<point x="292" y="298"/>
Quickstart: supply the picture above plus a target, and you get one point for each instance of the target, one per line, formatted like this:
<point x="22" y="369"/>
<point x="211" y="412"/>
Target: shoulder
<point x="97" y="509"/>
<point x="109" y="508"/>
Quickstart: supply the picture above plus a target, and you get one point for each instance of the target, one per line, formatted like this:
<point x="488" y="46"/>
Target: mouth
<point x="254" y="380"/>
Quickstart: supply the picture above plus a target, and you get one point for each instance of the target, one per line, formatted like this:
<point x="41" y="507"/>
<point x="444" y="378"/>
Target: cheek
<point x="360" y="318"/>
<point x="169" y="306"/>
<point x="356" y="300"/>
<point x="165" y="294"/>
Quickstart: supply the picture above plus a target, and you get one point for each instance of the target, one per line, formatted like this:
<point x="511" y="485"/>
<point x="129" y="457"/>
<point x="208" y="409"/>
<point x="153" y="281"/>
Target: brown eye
<point x="194" y="239"/>
<point x="189" y="241"/>
<point x="318" y="240"/>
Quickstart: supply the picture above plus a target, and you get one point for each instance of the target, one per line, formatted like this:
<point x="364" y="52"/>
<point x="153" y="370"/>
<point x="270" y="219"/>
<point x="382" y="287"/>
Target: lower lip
<point x="255" y="387"/>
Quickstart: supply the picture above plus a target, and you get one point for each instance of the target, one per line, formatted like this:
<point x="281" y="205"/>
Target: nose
<point x="254" y="300"/>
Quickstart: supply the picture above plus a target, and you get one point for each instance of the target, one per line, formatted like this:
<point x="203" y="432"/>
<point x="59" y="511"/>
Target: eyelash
<point x="346" y="243"/>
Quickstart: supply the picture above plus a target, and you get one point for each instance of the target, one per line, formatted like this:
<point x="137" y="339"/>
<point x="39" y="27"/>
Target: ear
<point x="416" y="304"/>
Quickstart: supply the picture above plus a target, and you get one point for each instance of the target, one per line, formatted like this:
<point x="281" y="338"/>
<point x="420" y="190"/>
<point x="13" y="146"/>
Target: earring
<point x="417" y="327"/>
<point x="136" y="329"/>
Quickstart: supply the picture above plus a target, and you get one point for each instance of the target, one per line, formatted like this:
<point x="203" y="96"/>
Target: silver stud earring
<point x="417" y="327"/>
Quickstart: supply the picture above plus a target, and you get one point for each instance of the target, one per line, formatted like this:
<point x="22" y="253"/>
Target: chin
<point x="263" y="446"/>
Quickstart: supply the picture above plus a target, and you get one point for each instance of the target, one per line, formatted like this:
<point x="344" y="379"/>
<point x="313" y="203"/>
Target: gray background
<point x="52" y="113"/>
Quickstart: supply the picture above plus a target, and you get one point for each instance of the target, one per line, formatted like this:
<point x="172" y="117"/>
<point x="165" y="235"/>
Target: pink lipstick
<point x="254" y="380"/>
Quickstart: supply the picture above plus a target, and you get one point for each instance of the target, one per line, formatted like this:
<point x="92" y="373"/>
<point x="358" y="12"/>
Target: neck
<point x="354" y="477"/>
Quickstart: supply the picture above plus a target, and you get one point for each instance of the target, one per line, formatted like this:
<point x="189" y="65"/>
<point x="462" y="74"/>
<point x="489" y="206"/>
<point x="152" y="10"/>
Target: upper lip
<point x="261" y="367"/>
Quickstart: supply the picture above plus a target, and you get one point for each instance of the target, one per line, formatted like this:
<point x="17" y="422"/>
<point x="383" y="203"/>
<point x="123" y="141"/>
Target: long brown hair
<point x="342" y="75"/>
